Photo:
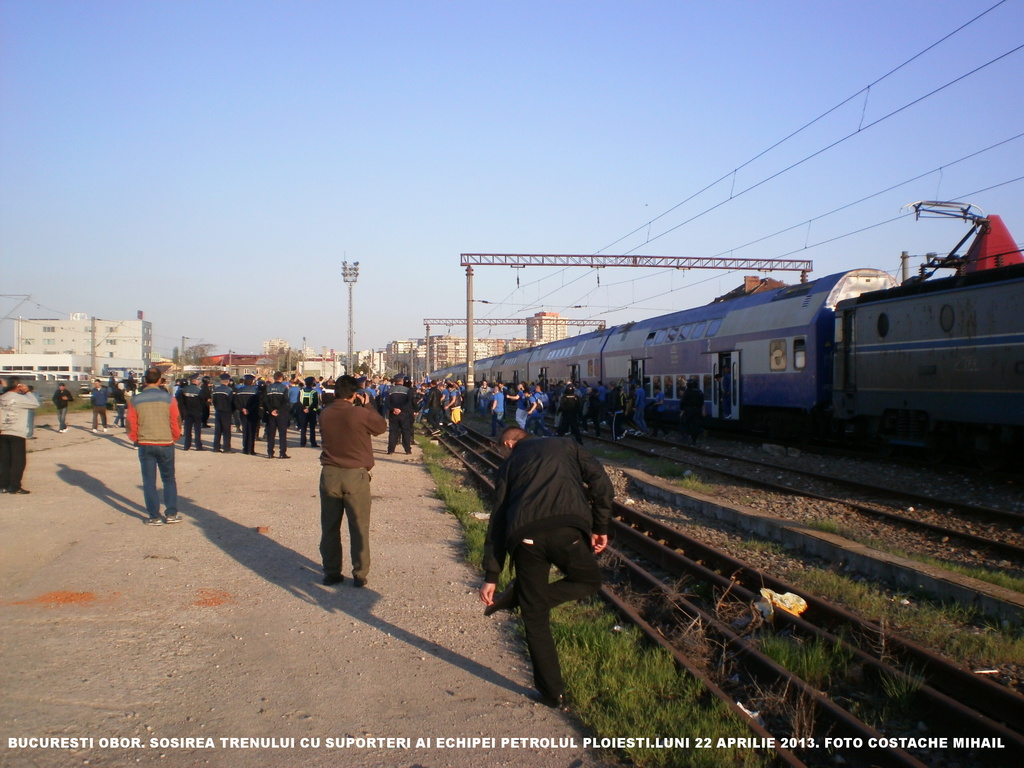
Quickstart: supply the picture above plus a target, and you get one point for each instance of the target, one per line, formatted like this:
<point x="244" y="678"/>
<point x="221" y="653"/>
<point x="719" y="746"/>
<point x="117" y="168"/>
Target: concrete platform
<point x="219" y="628"/>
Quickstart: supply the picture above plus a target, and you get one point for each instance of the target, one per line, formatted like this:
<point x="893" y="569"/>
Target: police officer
<point x="207" y="389"/>
<point x="276" y="407"/>
<point x="309" y="407"/>
<point x="190" y="401"/>
<point x="400" y="408"/>
<point x="223" y="398"/>
<point x="247" y="403"/>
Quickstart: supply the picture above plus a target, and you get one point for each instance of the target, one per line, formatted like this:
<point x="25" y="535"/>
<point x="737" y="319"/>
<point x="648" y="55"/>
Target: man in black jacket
<point x="190" y="403"/>
<point x="400" y="411"/>
<point x="553" y="503"/>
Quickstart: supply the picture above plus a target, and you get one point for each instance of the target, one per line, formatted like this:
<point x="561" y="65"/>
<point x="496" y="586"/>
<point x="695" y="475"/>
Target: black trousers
<point x="250" y="426"/>
<point x="279" y="425"/>
<point x="307" y="421"/>
<point x="193" y="426"/>
<point x="400" y="427"/>
<point x="12" y="462"/>
<point x="568" y="549"/>
<point x="570" y="423"/>
<point x="222" y="430"/>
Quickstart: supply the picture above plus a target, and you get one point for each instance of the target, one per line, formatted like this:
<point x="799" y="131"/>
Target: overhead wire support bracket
<point x="663" y="262"/>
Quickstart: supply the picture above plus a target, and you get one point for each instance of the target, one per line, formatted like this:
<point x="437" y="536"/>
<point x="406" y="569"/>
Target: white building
<point x="275" y="347"/>
<point x="49" y="367"/>
<point x="81" y="344"/>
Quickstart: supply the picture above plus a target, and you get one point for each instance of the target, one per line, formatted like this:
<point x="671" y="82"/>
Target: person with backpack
<point x="535" y="413"/>
<point x="309" y="407"/>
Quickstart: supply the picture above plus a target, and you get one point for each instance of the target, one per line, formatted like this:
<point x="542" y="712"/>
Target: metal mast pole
<point x="350" y="273"/>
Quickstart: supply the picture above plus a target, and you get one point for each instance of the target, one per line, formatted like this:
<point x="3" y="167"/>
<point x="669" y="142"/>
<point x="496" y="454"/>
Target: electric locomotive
<point x="938" y="365"/>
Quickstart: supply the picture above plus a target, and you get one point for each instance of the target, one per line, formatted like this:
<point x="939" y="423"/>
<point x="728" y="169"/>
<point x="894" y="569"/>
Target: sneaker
<point x="155" y="521"/>
<point x="173" y="519"/>
<point x="95" y="431"/>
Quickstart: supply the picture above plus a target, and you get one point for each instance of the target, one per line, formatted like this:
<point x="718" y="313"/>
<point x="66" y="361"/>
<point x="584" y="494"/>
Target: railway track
<point x="672" y="585"/>
<point x="1002" y="539"/>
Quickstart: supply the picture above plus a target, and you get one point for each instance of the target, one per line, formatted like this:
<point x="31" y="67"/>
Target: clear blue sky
<point x="212" y="163"/>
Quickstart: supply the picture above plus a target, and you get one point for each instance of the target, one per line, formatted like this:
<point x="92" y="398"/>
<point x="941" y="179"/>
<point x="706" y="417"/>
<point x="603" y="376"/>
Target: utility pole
<point x="350" y="273"/>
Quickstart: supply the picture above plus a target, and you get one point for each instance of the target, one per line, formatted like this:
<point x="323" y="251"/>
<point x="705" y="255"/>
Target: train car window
<point x="799" y="354"/>
<point x="714" y="326"/>
<point x="684" y="331"/>
<point x="946" y="318"/>
<point x="794" y="291"/>
<point x="777" y="355"/>
<point x="680" y="385"/>
<point x="698" y="330"/>
<point x="671" y="334"/>
<point x="652" y="338"/>
<point x="883" y="325"/>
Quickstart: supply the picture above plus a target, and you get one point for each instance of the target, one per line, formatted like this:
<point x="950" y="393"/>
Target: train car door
<point x="574" y="374"/>
<point x="636" y="371"/>
<point x="725" y="400"/>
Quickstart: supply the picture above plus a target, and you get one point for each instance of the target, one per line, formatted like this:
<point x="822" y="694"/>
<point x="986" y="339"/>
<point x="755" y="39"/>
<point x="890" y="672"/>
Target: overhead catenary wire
<point x="826" y="148"/>
<point x="865" y="90"/>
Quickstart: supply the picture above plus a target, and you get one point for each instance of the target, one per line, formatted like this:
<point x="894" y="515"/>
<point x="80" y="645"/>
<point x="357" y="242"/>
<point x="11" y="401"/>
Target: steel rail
<point x="667" y="546"/>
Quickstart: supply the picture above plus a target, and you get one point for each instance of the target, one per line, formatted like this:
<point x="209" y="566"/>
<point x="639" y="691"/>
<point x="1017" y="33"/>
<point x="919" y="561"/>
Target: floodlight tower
<point x="350" y="273"/>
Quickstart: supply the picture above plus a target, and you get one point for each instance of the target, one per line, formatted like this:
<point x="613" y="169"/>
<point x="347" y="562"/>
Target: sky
<point x="213" y="164"/>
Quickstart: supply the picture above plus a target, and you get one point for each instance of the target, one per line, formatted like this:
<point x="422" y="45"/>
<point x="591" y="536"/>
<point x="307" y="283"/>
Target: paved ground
<point x="219" y="628"/>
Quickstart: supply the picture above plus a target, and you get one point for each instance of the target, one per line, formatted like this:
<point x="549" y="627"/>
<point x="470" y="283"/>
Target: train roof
<point x="838" y="286"/>
<point x="925" y="287"/>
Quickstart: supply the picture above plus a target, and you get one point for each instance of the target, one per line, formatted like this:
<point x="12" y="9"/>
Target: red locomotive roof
<point x="993" y="248"/>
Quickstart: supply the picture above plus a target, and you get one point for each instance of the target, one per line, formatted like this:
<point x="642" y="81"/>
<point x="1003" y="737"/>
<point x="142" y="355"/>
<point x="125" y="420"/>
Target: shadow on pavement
<point x="300" y="576"/>
<point x="79" y="479"/>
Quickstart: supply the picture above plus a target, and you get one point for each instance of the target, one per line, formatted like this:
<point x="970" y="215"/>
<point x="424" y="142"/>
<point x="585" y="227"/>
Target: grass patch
<point x="619" y="684"/>
<point x="815" y="661"/>
<point x="762" y="545"/>
<point x="693" y="482"/>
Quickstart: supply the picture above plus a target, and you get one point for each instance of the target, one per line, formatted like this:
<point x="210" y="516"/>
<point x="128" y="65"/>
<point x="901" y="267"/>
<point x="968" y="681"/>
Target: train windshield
<point x="858" y="282"/>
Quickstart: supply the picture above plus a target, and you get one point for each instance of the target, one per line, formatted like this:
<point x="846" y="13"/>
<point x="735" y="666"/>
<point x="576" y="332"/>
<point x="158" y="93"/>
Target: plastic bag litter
<point x="788" y="602"/>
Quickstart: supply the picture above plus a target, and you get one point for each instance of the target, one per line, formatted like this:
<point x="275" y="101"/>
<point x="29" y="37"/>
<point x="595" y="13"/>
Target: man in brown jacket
<point x="346" y="459"/>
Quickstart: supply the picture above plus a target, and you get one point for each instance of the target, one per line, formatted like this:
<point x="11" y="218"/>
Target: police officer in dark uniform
<point x="223" y="398"/>
<point x="400" y="409"/>
<point x="190" y="402"/>
<point x="569" y="409"/>
<point x="247" y="403"/>
<point x="278" y="410"/>
<point x="207" y="390"/>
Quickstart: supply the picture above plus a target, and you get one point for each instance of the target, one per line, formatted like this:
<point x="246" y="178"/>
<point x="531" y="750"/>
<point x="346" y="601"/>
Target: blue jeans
<point x="152" y="457"/>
